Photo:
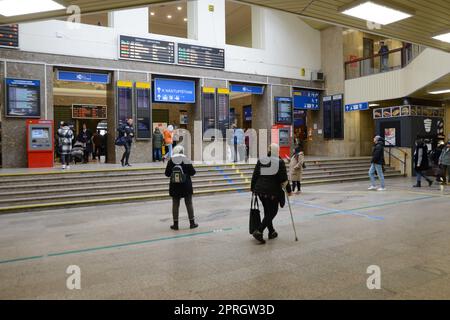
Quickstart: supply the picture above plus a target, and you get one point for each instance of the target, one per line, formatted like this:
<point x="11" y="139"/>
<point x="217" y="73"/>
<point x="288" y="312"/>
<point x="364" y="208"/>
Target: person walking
<point x="268" y="181"/>
<point x="180" y="170"/>
<point x="444" y="162"/>
<point x="97" y="139"/>
<point x="65" y="137"/>
<point x="158" y="141"/>
<point x="85" y="137"/>
<point x="421" y="163"/>
<point x="296" y="170"/>
<point x="377" y="164"/>
<point x="168" y="142"/>
<point x="127" y="131"/>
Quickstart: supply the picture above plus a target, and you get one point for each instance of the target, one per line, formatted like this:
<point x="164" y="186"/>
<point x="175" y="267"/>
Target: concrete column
<point x="211" y="24"/>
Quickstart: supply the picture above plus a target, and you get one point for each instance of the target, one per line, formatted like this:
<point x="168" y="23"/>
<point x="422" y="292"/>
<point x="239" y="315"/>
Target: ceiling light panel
<point x="377" y="13"/>
<point x="11" y="8"/>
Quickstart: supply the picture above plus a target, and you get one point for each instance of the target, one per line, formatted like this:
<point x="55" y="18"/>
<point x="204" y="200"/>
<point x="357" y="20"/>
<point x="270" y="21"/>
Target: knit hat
<point x="274" y="150"/>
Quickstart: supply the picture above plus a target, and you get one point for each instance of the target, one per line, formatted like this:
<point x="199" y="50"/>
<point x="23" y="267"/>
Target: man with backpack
<point x="180" y="170"/>
<point x="126" y="135"/>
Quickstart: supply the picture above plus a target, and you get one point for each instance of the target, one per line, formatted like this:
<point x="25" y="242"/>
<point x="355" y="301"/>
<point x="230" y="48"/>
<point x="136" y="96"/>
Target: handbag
<point x="120" y="141"/>
<point x="255" y="215"/>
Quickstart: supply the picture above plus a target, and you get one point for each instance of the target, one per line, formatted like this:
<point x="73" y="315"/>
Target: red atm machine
<point x="40" y="143"/>
<point x="282" y="135"/>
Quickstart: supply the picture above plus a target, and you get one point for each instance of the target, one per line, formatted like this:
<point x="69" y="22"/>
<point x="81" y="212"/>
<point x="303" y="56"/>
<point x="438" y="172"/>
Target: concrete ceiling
<point x="441" y="84"/>
<point x="431" y="16"/>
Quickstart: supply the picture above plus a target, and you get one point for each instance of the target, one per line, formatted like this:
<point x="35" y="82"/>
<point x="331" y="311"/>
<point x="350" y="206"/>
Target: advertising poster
<point x="389" y="136"/>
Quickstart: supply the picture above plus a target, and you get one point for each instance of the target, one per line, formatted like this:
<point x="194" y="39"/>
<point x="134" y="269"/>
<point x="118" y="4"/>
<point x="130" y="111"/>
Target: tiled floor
<point x="128" y="251"/>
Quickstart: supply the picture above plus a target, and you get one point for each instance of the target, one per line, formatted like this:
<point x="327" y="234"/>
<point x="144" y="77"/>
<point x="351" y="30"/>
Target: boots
<point x="193" y="224"/>
<point x="430" y="182"/>
<point x="417" y="185"/>
<point x="174" y="226"/>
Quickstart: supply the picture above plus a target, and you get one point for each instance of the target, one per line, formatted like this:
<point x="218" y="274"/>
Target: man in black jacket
<point x="268" y="181"/>
<point x="127" y="131"/>
<point x="377" y="164"/>
<point x="421" y="163"/>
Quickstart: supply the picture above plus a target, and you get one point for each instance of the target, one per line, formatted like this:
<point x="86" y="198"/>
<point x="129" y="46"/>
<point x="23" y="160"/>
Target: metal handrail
<point x="405" y="155"/>
<point x="374" y="56"/>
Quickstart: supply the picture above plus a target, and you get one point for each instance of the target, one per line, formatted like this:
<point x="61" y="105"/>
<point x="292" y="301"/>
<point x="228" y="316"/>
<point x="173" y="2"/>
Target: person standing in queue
<point x="377" y="164"/>
<point x="168" y="142"/>
<point x="85" y="137"/>
<point x="296" y="170"/>
<point x="158" y="141"/>
<point x="65" y="137"/>
<point x="268" y="182"/>
<point x="97" y="139"/>
<point x="421" y="163"/>
<point x="127" y="131"/>
<point x="180" y="170"/>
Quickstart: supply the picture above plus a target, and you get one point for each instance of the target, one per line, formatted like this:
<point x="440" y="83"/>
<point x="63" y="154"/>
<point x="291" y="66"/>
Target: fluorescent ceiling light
<point x="377" y="13"/>
<point x="374" y="105"/>
<point x="10" y="8"/>
<point x="440" y="91"/>
<point x="443" y="37"/>
<point x="169" y="17"/>
<point x="152" y="13"/>
<point x="179" y="8"/>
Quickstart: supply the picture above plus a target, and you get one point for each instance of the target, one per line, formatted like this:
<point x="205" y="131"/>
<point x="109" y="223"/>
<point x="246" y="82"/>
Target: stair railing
<point x="391" y="155"/>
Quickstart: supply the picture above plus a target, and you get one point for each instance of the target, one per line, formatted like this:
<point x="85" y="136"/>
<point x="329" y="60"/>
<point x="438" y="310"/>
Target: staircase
<point x="56" y="189"/>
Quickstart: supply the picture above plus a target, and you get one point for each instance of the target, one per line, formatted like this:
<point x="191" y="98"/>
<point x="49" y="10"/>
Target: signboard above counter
<point x="158" y="51"/>
<point x="9" y="36"/>
<point x="306" y="100"/>
<point x="406" y="111"/>
<point x="357" y="107"/>
<point x="88" y="111"/>
<point x="174" y="91"/>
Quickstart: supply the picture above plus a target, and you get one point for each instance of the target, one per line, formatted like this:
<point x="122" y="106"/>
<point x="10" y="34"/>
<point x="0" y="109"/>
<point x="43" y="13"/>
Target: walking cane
<point x="292" y="217"/>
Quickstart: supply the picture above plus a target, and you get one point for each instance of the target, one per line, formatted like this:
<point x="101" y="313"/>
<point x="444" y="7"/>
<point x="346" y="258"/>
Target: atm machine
<point x="40" y="143"/>
<point x="282" y="130"/>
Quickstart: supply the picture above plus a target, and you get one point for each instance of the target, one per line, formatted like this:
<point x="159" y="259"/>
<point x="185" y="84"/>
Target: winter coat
<point x="296" y="167"/>
<point x="378" y="153"/>
<point x="158" y="140"/>
<point x="65" y="137"/>
<point x="421" y="162"/>
<point x="180" y="190"/>
<point x="270" y="184"/>
<point x="168" y="137"/>
<point x="127" y="131"/>
<point x="444" y="159"/>
<point x="85" y="137"/>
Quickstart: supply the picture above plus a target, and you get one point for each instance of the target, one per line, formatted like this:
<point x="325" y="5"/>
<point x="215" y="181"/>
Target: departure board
<point x="150" y="50"/>
<point x="23" y="98"/>
<point x="87" y="111"/>
<point x="223" y="111"/>
<point x="209" y="108"/>
<point x="9" y="36"/>
<point x="204" y="57"/>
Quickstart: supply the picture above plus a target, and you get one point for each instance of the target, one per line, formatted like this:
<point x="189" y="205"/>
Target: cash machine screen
<point x="284" y="137"/>
<point x="39" y="133"/>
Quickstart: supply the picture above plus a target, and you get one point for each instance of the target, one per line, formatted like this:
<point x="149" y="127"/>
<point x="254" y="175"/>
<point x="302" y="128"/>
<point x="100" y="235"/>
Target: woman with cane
<point x="268" y="181"/>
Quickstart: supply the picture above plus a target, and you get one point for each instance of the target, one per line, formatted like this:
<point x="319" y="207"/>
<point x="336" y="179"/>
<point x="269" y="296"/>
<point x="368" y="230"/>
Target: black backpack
<point x="178" y="175"/>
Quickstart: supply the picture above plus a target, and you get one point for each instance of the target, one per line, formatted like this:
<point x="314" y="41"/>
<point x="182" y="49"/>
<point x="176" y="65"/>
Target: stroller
<point x="78" y="151"/>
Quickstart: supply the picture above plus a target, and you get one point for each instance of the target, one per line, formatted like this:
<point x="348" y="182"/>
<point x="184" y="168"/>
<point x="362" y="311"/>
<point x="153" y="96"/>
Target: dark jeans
<point x="445" y="173"/>
<point x="270" y="211"/>
<point x="97" y="152"/>
<point x="65" y="159"/>
<point x="176" y="207"/>
<point x="420" y="175"/>
<point x="296" y="183"/>
<point x="157" y="154"/>
<point x="126" y="154"/>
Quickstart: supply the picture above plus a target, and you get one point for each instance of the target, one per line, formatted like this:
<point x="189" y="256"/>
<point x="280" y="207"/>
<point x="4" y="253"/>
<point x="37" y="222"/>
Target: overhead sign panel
<point x="9" y="36"/>
<point x="357" y="107"/>
<point x="247" y="89"/>
<point x="174" y="91"/>
<point x="82" y="77"/>
<point x="197" y="56"/>
<point x="141" y="49"/>
<point x="306" y="100"/>
<point x="87" y="111"/>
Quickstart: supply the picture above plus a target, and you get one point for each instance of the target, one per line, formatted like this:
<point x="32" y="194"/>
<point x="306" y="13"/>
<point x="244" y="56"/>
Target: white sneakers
<point x="375" y="188"/>
<point x="63" y="166"/>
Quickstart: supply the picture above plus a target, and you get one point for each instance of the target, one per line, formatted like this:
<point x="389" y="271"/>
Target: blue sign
<point x="174" y="91"/>
<point x="248" y="113"/>
<point x="306" y="100"/>
<point x="357" y="107"/>
<point x="247" y="89"/>
<point x="82" y="77"/>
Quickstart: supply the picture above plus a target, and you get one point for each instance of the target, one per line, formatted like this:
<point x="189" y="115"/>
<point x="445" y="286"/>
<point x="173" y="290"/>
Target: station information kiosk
<point x="40" y="143"/>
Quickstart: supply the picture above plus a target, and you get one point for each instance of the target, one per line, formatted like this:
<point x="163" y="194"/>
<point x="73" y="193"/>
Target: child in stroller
<point x="78" y="151"/>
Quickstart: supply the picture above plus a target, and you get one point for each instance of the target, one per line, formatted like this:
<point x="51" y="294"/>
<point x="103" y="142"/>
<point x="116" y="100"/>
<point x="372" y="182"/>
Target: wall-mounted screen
<point x="283" y="110"/>
<point x="143" y="110"/>
<point x="223" y="112"/>
<point x="141" y="49"/>
<point x="23" y="98"/>
<point x="174" y="91"/>
<point x="88" y="111"/>
<point x="306" y="100"/>
<point x="9" y="36"/>
<point x="198" y="56"/>
<point x="124" y="101"/>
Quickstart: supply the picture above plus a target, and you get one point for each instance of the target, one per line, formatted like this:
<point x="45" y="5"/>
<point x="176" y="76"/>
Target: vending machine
<point x="282" y="135"/>
<point x="40" y="143"/>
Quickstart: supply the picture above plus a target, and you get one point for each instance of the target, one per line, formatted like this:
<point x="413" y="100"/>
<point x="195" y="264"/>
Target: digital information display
<point x="209" y="108"/>
<point x="198" y="56"/>
<point x="124" y="101"/>
<point x="283" y="110"/>
<point x="327" y="117"/>
<point x="306" y="100"/>
<point x="132" y="48"/>
<point x="223" y="110"/>
<point x="9" y="36"/>
<point x="338" y="116"/>
<point x="143" y="110"/>
<point x="174" y="91"/>
<point x="23" y="98"/>
<point x="88" y="111"/>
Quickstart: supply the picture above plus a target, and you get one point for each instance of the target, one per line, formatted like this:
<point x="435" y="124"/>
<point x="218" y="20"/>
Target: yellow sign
<point x="209" y="90"/>
<point x="211" y="8"/>
<point x="223" y="91"/>
<point x="303" y="72"/>
<point x="143" y="85"/>
<point x="126" y="84"/>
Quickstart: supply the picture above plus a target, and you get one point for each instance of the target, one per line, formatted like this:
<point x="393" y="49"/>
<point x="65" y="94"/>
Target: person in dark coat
<point x="178" y="190"/>
<point x="421" y="163"/>
<point x="158" y="142"/>
<point x="85" y="137"/>
<point x="127" y="131"/>
<point x="377" y="164"/>
<point x="268" y="181"/>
